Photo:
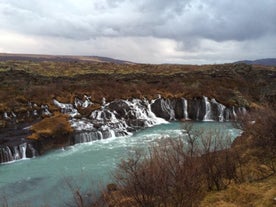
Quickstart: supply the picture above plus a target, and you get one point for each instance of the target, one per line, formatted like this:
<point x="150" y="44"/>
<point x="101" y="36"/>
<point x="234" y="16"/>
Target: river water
<point x="48" y="180"/>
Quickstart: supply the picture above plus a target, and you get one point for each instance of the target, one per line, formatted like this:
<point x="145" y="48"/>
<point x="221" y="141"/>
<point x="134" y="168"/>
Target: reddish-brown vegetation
<point x="54" y="126"/>
<point x="182" y="172"/>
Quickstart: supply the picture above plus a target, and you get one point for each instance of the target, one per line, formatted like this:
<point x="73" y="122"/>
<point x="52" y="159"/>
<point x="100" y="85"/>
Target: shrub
<point x="166" y="176"/>
<point x="259" y="135"/>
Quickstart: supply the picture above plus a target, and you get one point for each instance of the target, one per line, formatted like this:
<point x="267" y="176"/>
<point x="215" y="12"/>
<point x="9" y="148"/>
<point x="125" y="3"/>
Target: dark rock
<point x="163" y="108"/>
<point x="179" y="109"/>
<point x="196" y="109"/>
<point x="121" y="108"/>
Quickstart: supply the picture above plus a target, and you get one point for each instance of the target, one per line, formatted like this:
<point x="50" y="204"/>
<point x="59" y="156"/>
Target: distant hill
<point x="59" y="58"/>
<point x="266" y="61"/>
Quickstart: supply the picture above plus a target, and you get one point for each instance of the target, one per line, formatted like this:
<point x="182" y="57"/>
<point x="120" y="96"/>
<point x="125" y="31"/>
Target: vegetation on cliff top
<point x="55" y="127"/>
<point x="231" y="84"/>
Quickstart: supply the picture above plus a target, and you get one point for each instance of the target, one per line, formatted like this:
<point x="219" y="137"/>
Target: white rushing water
<point x="185" y="108"/>
<point x="45" y="180"/>
<point x="208" y="111"/>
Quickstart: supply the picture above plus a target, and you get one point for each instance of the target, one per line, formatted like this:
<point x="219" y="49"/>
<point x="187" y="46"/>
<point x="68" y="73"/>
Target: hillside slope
<point x="266" y="62"/>
<point x="58" y="58"/>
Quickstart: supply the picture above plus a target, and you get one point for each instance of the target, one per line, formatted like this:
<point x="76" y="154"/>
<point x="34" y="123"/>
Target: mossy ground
<point x="258" y="194"/>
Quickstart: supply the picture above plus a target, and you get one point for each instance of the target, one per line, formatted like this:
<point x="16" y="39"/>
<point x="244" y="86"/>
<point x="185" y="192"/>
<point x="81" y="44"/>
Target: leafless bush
<point x="166" y="176"/>
<point x="175" y="171"/>
<point x="219" y="163"/>
<point x="259" y="128"/>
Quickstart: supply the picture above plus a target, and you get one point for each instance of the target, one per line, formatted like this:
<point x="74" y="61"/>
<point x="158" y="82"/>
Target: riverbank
<point x="243" y="175"/>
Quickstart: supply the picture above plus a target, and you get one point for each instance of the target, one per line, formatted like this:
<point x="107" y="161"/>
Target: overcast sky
<point x="148" y="31"/>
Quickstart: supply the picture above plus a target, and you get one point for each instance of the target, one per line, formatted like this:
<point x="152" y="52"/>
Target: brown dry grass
<point x="39" y="82"/>
<point x="51" y="127"/>
<point x="257" y="194"/>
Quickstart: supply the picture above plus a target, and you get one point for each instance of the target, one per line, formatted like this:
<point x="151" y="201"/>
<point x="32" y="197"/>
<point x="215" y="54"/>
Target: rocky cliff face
<point x="197" y="109"/>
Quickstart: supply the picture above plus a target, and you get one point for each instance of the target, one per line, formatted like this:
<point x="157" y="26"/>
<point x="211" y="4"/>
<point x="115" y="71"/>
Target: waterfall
<point x="118" y="118"/>
<point x="220" y="109"/>
<point x="142" y="111"/>
<point x="16" y="155"/>
<point x="6" y="115"/>
<point x="185" y="108"/>
<point x="88" y="136"/>
<point x="103" y="101"/>
<point x="5" y="154"/>
<point x="154" y="119"/>
<point x="8" y="154"/>
<point x="234" y="113"/>
<point x="208" y="111"/>
<point x="97" y="114"/>
<point x="22" y="149"/>
<point x="112" y="133"/>
<point x="66" y="108"/>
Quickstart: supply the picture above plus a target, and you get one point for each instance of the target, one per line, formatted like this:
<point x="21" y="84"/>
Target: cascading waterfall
<point x="208" y="111"/>
<point x="88" y="136"/>
<point x="6" y="154"/>
<point x="112" y="133"/>
<point x="185" y="108"/>
<point x="221" y="111"/>
<point x="16" y="155"/>
<point x="66" y="108"/>
<point x="221" y="108"/>
<point x="122" y="118"/>
<point x="152" y="116"/>
<point x="234" y="113"/>
<point x="119" y="118"/>
<point x="22" y="149"/>
<point x="18" y="152"/>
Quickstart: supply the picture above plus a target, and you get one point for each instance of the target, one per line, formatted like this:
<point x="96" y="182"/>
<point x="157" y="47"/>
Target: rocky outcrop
<point x="164" y="108"/>
<point x="196" y="109"/>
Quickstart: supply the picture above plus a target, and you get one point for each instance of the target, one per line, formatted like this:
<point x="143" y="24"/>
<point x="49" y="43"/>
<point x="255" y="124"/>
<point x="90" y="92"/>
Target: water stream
<point x="46" y="180"/>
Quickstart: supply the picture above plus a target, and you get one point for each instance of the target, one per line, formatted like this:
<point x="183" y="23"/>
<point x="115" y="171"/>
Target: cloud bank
<point x="151" y="31"/>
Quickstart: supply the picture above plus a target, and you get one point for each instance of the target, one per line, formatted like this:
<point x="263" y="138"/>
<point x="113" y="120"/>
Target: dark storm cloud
<point x="157" y="30"/>
<point x="179" y="19"/>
